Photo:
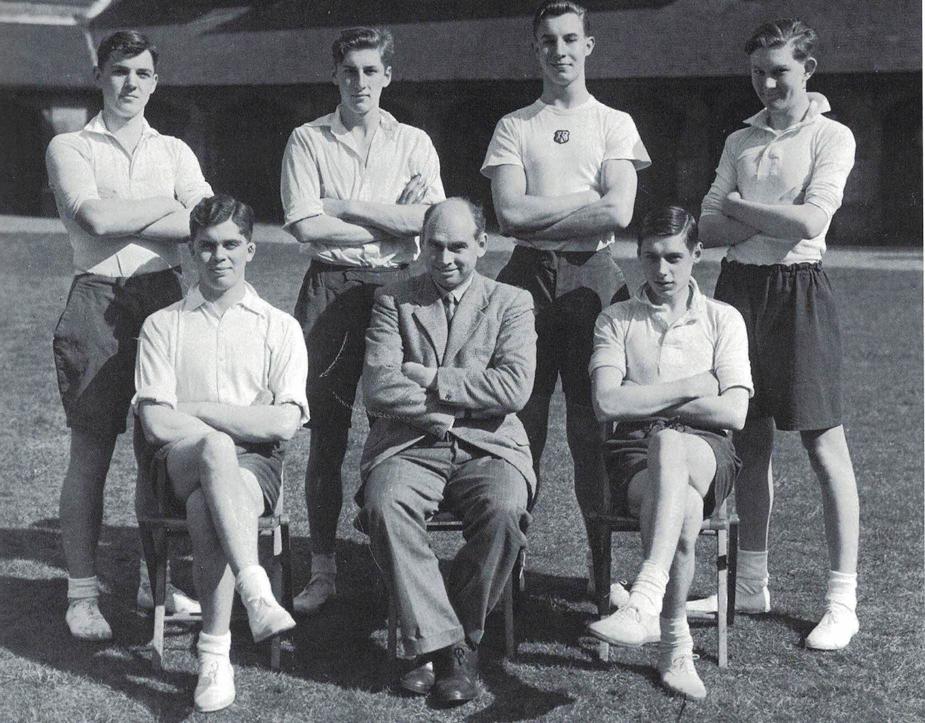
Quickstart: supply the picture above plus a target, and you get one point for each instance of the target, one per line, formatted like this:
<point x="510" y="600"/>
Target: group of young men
<point x="457" y="369"/>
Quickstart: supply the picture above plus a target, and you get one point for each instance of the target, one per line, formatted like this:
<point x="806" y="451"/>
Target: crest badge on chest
<point x="560" y="137"/>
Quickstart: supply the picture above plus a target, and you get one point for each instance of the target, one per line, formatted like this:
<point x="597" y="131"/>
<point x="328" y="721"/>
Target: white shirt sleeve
<point x="289" y="367"/>
<point x="609" y="344"/>
<point x="622" y="141"/>
<point x="833" y="161"/>
<point x="429" y="168"/>
<point x="504" y="148"/>
<point x="725" y="182"/>
<point x="70" y="173"/>
<point x="730" y="354"/>
<point x="155" y="375"/>
<point x="300" y="184"/>
<point x="190" y="186"/>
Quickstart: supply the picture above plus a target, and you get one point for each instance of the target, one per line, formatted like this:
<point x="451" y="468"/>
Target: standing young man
<point x="123" y="192"/>
<point x="563" y="179"/>
<point x="355" y="185"/>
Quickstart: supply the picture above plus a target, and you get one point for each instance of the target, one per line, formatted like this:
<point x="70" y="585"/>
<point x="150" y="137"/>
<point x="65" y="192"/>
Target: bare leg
<point x="213" y="578"/>
<point x="682" y="566"/>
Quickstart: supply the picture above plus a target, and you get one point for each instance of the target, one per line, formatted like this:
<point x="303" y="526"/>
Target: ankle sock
<point x="218" y="645"/>
<point x="323" y="563"/>
<point x="842" y="589"/>
<point x="251" y="582"/>
<point x="676" y="635"/>
<point x="752" y="571"/>
<point x="79" y="588"/>
<point x="649" y="589"/>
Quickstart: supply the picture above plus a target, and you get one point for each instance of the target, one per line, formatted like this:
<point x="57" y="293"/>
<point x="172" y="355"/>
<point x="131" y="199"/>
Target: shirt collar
<point x="458" y="292"/>
<point x="250" y="301"/>
<point x="818" y="104"/>
<point x="387" y="122"/>
<point x="96" y="125"/>
<point x="695" y="304"/>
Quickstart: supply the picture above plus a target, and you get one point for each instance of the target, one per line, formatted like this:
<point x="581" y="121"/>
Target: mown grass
<point x="335" y="666"/>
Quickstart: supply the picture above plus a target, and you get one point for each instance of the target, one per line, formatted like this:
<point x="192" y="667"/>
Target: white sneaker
<point x="747" y="603"/>
<point x="835" y="630"/>
<point x="629" y="626"/>
<point x="175" y="602"/>
<point x="265" y="615"/>
<point x="85" y="620"/>
<point x="319" y="590"/>
<point x="215" y="686"/>
<point x="678" y="674"/>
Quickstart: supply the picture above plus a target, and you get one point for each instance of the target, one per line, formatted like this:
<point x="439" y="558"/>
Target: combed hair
<point x="668" y="221"/>
<point x="478" y="215"/>
<point x="219" y="208"/>
<point x="778" y="33"/>
<point x="555" y="8"/>
<point x="128" y="44"/>
<point x="363" y="38"/>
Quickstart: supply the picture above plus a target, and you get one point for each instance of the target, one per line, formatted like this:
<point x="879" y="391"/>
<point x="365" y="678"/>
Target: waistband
<point x="765" y="269"/>
<point x="174" y="271"/>
<point x="325" y="266"/>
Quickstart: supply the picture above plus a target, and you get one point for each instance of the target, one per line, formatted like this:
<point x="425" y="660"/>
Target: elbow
<point x="811" y="228"/>
<point x="93" y="223"/>
<point x="737" y="420"/>
<point x="509" y="221"/>
<point x="620" y="215"/>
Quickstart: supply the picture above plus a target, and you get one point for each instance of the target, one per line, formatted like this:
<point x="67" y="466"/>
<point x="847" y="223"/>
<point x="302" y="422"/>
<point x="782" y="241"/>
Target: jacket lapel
<point x="431" y="317"/>
<point x="468" y="316"/>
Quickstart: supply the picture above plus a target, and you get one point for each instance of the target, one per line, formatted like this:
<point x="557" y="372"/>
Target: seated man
<point x="671" y="367"/>
<point x="220" y="382"/>
<point x="450" y="358"/>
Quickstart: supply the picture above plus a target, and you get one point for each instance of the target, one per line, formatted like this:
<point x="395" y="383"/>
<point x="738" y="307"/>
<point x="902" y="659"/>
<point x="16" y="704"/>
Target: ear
<point x="251" y="251"/>
<point x="482" y="245"/>
<point x="809" y="67"/>
<point x="154" y="85"/>
<point x="589" y="45"/>
<point x="697" y="252"/>
<point x="97" y="74"/>
<point x="388" y="76"/>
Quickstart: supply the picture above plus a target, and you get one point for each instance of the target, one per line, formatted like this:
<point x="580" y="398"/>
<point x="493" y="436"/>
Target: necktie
<point x="449" y="306"/>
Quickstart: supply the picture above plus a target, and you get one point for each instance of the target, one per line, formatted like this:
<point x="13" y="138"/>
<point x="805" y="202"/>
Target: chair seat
<point x="623" y="523"/>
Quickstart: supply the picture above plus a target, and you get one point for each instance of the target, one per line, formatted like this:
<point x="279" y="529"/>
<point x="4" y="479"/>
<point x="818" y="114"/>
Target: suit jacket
<point x="485" y="366"/>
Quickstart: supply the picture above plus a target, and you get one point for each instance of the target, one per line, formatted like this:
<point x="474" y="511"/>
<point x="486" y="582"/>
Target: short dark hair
<point x="128" y="44"/>
<point x="217" y="209"/>
<point x="363" y="38"/>
<point x="478" y="215"/>
<point x="668" y="221"/>
<point x="778" y="33"/>
<point x="555" y="8"/>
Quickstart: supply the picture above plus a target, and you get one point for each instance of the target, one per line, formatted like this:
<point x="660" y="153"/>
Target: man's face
<point x="451" y="247"/>
<point x="561" y="47"/>
<point x="778" y="78"/>
<point x="667" y="264"/>
<point x="360" y="78"/>
<point x="221" y="253"/>
<point x="126" y="83"/>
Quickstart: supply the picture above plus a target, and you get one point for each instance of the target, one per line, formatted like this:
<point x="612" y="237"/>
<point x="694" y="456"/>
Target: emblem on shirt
<point x="560" y="136"/>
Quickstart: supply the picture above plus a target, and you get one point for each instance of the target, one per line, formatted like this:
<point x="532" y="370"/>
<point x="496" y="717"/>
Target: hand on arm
<point x="405" y="217"/>
<point x="163" y="424"/>
<point x="173" y="227"/>
<point x="332" y="231"/>
<point x="616" y="401"/>
<point x="255" y="423"/>
<point x="726" y="411"/>
<point x="122" y="217"/>
<point x="785" y="220"/>
<point x="717" y="229"/>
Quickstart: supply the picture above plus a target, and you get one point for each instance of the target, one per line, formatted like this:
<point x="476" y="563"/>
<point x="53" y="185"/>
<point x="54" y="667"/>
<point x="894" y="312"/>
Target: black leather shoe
<point x="420" y="679"/>
<point x="455" y="671"/>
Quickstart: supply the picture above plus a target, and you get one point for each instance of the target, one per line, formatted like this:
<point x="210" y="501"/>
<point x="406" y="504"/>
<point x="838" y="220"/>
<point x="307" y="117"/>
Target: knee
<point x="666" y="445"/>
<point x="215" y="449"/>
<point x="385" y="502"/>
<point x="504" y="514"/>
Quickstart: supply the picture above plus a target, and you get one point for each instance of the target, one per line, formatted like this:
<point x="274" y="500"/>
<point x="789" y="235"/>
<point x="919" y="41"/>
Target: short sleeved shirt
<point x="809" y="162"/>
<point x="563" y="151"/>
<point x="322" y="161"/>
<point x="635" y="338"/>
<point x="188" y="353"/>
<point x="91" y="164"/>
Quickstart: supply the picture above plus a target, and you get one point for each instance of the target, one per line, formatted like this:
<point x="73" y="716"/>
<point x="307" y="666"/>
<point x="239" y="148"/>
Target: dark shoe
<point x="420" y="679"/>
<point x="455" y="671"/>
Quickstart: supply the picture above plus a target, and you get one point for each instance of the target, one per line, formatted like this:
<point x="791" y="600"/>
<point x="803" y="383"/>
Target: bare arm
<point x="726" y="411"/>
<point x="613" y="211"/>
<point x="255" y="423"/>
<point x="332" y="231"/>
<point x="122" y="217"/>
<point x="405" y="217"/>
<point x="616" y="401"/>
<point x="163" y="424"/>
<point x="785" y="220"/>
<point x="519" y="213"/>
<point x="717" y="229"/>
<point x="174" y="227"/>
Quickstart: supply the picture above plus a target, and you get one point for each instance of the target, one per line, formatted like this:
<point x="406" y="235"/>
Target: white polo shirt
<point x="636" y="338"/>
<point x="809" y="162"/>
<point x="562" y="151"/>
<point x="323" y="161"/>
<point x="188" y="353"/>
<point x="92" y="164"/>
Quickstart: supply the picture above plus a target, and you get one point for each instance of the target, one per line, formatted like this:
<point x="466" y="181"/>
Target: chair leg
<point x="510" y="641"/>
<point x="276" y="583"/>
<point x="733" y="569"/>
<point x="161" y="539"/>
<point x="722" y="597"/>
<point x="286" y="559"/>
<point x="601" y="564"/>
<point x="393" y="627"/>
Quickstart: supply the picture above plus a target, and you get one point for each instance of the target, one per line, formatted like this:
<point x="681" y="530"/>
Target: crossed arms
<point x="741" y="219"/>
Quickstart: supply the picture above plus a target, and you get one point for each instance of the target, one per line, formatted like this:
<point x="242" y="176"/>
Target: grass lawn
<point x="335" y="665"/>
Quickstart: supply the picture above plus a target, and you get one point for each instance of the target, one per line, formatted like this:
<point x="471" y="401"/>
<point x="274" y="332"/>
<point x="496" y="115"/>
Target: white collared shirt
<point x="809" y="162"/>
<point x="188" y="353"/>
<point x="636" y="338"/>
<point x="92" y="164"/>
<point x="323" y="161"/>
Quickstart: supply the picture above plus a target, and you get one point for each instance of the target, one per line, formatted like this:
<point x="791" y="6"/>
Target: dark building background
<point x="237" y="77"/>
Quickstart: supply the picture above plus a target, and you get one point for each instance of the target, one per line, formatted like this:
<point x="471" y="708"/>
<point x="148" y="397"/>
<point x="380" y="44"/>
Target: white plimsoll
<point x="85" y="620"/>
<point x="628" y="626"/>
<point x="748" y="603"/>
<point x="835" y="630"/>
<point x="265" y="615"/>
<point x="215" y="685"/>
<point x="678" y="674"/>
<point x="175" y="601"/>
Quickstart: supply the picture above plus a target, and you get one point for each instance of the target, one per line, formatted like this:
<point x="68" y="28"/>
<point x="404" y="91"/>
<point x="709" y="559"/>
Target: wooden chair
<point x="448" y="522"/>
<point x="721" y="525"/>
<point x="156" y="529"/>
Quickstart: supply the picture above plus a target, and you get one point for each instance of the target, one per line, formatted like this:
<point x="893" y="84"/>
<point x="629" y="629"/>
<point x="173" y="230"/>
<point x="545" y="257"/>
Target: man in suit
<point x="450" y="359"/>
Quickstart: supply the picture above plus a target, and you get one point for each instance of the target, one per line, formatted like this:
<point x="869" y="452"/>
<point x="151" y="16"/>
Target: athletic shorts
<point x="626" y="453"/>
<point x="96" y="340"/>
<point x="794" y="341"/>
<point x="264" y="461"/>
<point x="334" y="306"/>
<point x="569" y="290"/>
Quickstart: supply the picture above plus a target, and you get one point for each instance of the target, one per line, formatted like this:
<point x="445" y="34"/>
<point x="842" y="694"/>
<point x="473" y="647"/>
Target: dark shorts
<point x="264" y="461"/>
<point x="334" y="306"/>
<point x="96" y="340"/>
<point x="794" y="341"/>
<point x="626" y="453"/>
<point x="569" y="289"/>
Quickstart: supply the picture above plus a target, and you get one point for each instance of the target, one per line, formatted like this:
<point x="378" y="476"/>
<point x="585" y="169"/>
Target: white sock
<point x="649" y="589"/>
<point x="252" y="582"/>
<point x="842" y="589"/>
<point x="323" y="563"/>
<point x="676" y="635"/>
<point x="752" y="571"/>
<point x="217" y="645"/>
<point x="79" y="588"/>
